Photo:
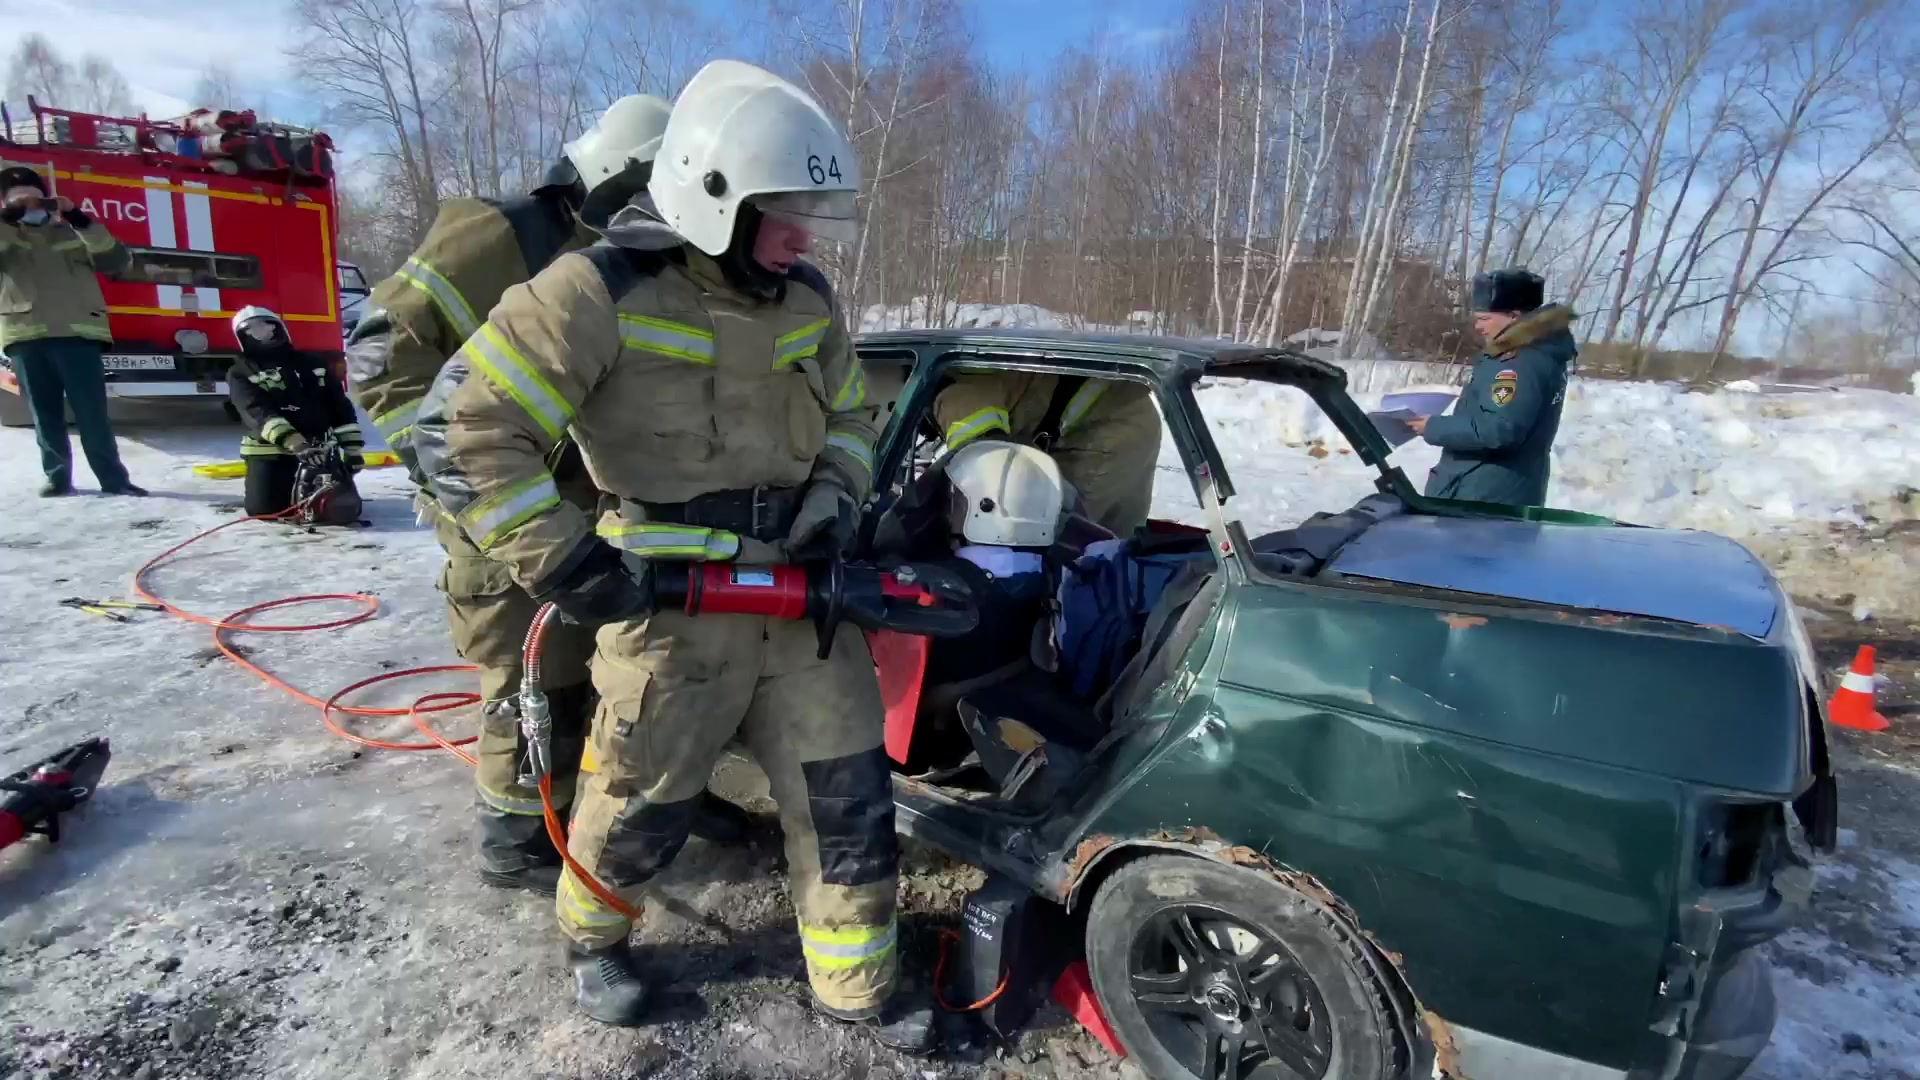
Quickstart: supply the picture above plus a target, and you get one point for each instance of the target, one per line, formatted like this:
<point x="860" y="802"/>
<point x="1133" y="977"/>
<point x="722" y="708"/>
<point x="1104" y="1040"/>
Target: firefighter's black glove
<point x="826" y="524"/>
<point x="12" y="213"/>
<point x="355" y="461"/>
<point x="77" y="218"/>
<point x="601" y="588"/>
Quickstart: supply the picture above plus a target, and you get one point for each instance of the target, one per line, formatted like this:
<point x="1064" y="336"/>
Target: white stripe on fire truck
<point x="200" y="237"/>
<point x="161" y="235"/>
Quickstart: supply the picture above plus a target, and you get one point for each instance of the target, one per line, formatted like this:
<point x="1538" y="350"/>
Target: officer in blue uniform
<point x="1498" y="440"/>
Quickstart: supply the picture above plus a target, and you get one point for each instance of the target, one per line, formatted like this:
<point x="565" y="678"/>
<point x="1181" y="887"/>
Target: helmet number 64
<point x="817" y="173"/>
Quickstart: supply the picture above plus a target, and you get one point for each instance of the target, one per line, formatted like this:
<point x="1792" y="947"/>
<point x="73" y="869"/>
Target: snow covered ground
<point x="249" y="893"/>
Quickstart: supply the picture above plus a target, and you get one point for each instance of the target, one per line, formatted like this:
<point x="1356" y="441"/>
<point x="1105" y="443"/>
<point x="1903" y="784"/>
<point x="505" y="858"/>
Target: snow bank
<point x="1738" y="463"/>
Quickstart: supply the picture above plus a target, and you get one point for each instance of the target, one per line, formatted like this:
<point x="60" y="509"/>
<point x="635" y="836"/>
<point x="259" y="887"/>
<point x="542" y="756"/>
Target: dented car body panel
<point x="1561" y="771"/>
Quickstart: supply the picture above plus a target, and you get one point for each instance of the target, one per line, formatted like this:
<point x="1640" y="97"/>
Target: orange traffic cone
<point x="1852" y="704"/>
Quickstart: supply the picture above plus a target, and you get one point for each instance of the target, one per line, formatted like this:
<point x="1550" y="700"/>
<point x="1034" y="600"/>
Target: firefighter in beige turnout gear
<point x="1103" y="433"/>
<point x="717" y="399"/>
<point x="418" y="318"/>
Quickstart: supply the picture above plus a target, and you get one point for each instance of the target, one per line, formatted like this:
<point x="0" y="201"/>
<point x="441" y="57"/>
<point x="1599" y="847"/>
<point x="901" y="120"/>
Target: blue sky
<point x="1012" y="32"/>
<point x="162" y="49"/>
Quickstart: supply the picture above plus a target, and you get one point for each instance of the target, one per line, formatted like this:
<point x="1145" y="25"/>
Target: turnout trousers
<point x="488" y="615"/>
<point x="674" y="690"/>
<point x="1111" y="464"/>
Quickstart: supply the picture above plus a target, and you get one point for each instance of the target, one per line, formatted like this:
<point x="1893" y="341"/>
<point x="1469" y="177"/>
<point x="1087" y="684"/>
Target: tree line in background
<point x="1693" y="176"/>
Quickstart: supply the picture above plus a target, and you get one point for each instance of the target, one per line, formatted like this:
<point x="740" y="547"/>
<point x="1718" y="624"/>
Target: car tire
<point x="1185" y="953"/>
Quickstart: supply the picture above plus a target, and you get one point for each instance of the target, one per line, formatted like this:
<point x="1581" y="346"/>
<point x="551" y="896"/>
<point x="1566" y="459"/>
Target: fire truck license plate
<point x="126" y="362"/>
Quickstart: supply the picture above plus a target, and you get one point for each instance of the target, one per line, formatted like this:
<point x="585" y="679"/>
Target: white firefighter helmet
<point x="627" y="134"/>
<point x="254" y="311"/>
<point x="1011" y="494"/>
<point x="739" y="132"/>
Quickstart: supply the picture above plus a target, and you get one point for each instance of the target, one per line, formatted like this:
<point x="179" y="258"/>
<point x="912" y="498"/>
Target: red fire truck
<point x="219" y="211"/>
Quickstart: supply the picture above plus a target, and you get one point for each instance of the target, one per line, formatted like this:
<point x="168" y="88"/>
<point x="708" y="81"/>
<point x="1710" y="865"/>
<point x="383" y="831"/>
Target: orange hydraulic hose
<point x="530" y="674"/>
<point x="371" y="606"/>
<point x="428" y="703"/>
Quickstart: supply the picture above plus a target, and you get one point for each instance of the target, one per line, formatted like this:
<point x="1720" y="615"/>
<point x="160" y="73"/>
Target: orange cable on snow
<point x="442" y="701"/>
<point x="233" y="624"/>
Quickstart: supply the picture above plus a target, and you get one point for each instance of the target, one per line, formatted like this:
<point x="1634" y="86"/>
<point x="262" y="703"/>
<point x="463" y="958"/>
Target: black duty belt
<point x="763" y="513"/>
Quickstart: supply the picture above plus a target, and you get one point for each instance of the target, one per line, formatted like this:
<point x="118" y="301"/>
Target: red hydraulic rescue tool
<point x="32" y="800"/>
<point x="906" y="598"/>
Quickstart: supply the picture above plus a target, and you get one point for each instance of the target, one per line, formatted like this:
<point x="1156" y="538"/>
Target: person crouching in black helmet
<point x="297" y="417"/>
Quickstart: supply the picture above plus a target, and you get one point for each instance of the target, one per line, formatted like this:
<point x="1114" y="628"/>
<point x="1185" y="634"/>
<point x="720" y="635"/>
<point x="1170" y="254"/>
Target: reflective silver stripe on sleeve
<point x="853" y="446"/>
<point x="420" y="274"/>
<point x="507" y="369"/>
<point x="799" y="344"/>
<point x="396" y="424"/>
<point x="853" y="392"/>
<point x="491" y="519"/>
<point x="1082" y="400"/>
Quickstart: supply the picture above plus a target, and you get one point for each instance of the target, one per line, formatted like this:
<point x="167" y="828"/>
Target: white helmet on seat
<point x="739" y="132"/>
<point x="1006" y="494"/>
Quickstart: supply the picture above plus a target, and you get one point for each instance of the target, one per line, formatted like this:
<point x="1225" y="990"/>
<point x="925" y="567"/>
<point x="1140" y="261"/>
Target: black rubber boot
<point x="515" y="853"/>
<point x="607" y="984"/>
<point x="720" y="821"/>
<point x="901" y="1023"/>
<point x="55" y="487"/>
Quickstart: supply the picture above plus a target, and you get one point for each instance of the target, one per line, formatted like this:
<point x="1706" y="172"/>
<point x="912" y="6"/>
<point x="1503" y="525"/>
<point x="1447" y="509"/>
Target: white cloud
<point x="163" y="50"/>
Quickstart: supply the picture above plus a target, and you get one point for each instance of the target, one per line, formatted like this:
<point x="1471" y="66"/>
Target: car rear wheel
<point x="1223" y="973"/>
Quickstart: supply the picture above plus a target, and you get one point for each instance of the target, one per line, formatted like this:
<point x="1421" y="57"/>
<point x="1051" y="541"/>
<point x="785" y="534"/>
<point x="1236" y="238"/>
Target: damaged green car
<point x="1414" y="788"/>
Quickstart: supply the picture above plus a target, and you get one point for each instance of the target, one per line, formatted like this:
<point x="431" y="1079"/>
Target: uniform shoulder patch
<point x="1505" y="385"/>
<point x="623" y="269"/>
<point x="809" y="275"/>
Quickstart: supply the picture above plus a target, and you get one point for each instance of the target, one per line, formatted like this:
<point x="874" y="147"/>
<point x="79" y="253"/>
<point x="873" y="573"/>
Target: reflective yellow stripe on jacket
<point x="421" y="274"/>
<point x="275" y="429"/>
<point x="800" y="344"/>
<point x="852" y="445"/>
<point x="853" y="390"/>
<point x="847" y="947"/>
<point x="1082" y="400"/>
<point x="977" y="423"/>
<point x="396" y="424"/>
<point x="662" y="337"/>
<point x="503" y="365"/>
<point x="666" y="541"/>
<point x="13" y="329"/>
<point x="491" y="518"/>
